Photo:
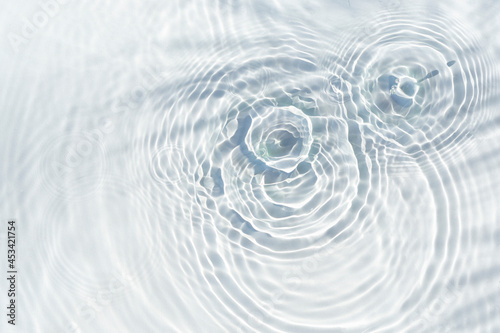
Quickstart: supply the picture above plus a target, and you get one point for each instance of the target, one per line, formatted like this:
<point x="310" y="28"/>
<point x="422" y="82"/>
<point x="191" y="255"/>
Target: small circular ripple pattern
<point x="416" y="78"/>
<point x="280" y="156"/>
<point x="271" y="176"/>
<point x="65" y="257"/>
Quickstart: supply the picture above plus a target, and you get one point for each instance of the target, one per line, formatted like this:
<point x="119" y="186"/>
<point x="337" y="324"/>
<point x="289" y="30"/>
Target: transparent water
<point x="255" y="166"/>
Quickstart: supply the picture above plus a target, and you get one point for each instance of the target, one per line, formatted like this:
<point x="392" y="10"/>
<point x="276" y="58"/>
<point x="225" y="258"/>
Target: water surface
<point x="252" y="166"/>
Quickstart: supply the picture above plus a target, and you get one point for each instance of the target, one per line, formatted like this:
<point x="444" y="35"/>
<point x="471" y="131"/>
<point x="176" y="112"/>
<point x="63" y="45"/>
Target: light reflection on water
<point x="248" y="166"/>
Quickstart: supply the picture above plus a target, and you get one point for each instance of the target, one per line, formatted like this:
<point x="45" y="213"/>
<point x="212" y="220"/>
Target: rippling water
<point x="238" y="166"/>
